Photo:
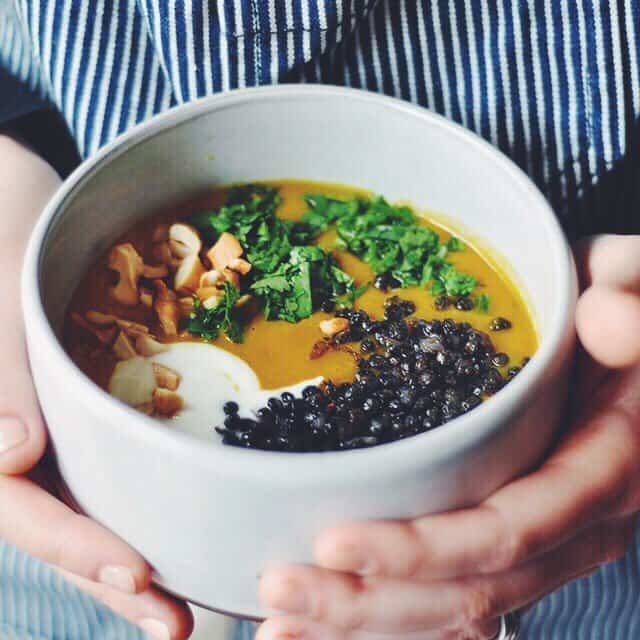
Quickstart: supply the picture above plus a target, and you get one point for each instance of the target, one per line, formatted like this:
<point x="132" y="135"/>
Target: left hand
<point x="450" y="576"/>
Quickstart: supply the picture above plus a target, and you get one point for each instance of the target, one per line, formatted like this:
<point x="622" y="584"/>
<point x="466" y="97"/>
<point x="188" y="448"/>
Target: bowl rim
<point x="459" y="434"/>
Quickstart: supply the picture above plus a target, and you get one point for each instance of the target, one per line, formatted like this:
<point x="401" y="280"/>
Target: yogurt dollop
<point x="210" y="377"/>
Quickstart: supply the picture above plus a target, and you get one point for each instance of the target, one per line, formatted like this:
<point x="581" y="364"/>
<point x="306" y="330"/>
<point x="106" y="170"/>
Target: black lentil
<point x="413" y="376"/>
<point x="499" y="324"/>
<point x="465" y="303"/>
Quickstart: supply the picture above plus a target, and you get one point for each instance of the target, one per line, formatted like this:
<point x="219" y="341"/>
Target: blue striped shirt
<point x="555" y="84"/>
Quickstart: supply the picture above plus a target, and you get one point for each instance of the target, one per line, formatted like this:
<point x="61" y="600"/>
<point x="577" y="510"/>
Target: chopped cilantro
<point x="455" y="244"/>
<point x="483" y="303"/>
<point x="209" y="323"/>
<point x="349" y="299"/>
<point x="390" y="240"/>
<point x="291" y="278"/>
<point x="301" y="284"/>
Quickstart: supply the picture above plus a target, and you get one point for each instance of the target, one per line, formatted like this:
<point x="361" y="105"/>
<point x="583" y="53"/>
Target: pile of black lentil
<point x="413" y="376"/>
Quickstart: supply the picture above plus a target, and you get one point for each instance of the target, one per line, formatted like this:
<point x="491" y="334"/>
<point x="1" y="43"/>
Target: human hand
<point x="30" y="516"/>
<point x="452" y="575"/>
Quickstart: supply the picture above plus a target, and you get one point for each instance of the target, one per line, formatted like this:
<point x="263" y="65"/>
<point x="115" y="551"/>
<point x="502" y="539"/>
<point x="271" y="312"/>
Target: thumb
<point x="608" y="312"/>
<point x="26" y="183"/>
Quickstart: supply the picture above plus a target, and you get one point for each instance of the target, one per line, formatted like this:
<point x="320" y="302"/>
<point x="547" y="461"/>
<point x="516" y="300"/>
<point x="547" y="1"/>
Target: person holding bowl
<point x="555" y="87"/>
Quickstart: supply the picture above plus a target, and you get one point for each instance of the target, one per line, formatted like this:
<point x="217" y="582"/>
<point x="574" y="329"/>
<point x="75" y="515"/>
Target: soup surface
<point x="280" y="354"/>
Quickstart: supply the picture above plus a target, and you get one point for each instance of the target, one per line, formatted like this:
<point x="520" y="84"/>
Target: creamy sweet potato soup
<point x="298" y="316"/>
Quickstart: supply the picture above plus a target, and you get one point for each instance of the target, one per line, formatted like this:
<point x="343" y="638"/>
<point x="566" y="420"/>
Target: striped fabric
<point x="37" y="604"/>
<point x="554" y="83"/>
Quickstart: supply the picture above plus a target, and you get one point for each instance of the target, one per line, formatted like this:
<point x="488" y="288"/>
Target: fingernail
<point x="352" y="559"/>
<point x="119" y="578"/>
<point x="12" y="433"/>
<point x="155" y="629"/>
<point x="288" y="595"/>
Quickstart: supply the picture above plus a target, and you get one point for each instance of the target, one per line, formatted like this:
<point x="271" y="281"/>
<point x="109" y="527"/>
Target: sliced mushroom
<point x="166" y="378"/>
<point x="167" y="403"/>
<point x="212" y="278"/>
<point x="240" y="265"/>
<point x="133" y="381"/>
<point x="146" y="298"/>
<point x="224" y="251"/>
<point x="188" y="275"/>
<point x="123" y="348"/>
<point x="333" y="326"/>
<point x="184" y="240"/>
<point x="148" y="346"/>
<point x="124" y="259"/>
<point x="166" y="306"/>
<point x="103" y="335"/>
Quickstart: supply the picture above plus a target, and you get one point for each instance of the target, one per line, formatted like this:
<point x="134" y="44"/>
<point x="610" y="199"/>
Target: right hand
<point x="31" y="518"/>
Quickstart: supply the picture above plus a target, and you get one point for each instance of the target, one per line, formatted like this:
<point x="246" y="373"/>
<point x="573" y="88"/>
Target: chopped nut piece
<point x="166" y="378"/>
<point x="186" y="306"/>
<point x="184" y="240"/>
<point x="103" y="335"/>
<point x="133" y="329"/>
<point x="146" y="408"/>
<point x="240" y="265"/>
<point x="188" y="274"/>
<point x="244" y="300"/>
<point x="123" y="348"/>
<point x="206" y="292"/>
<point x="162" y="253"/>
<point x="160" y="233"/>
<point x="133" y="381"/>
<point x="148" y="346"/>
<point x="153" y="272"/>
<point x="212" y="302"/>
<point x="232" y="276"/>
<point x="213" y="278"/>
<point x="334" y="326"/>
<point x="124" y="259"/>
<point x="146" y="298"/>
<point x="166" y="306"/>
<point x="101" y="319"/>
<point x="224" y="251"/>
<point x="167" y="403"/>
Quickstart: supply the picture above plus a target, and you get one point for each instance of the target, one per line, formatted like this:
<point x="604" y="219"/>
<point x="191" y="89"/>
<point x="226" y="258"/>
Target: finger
<point x="587" y="479"/>
<point x="390" y="606"/>
<point x="607" y="322"/>
<point x="611" y="261"/>
<point x="26" y="183"/>
<point x="297" y="628"/>
<point x="162" y="616"/>
<point x="36" y="522"/>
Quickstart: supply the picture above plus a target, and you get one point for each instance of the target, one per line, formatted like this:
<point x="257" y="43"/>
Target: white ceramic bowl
<point x="207" y="517"/>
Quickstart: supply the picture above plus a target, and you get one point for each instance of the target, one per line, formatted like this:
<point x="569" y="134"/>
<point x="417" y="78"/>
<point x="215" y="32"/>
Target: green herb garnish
<point x="209" y="323"/>
<point x="390" y="239"/>
<point x="349" y="299"/>
<point x="301" y="284"/>
<point x="455" y="244"/>
<point x="483" y="303"/>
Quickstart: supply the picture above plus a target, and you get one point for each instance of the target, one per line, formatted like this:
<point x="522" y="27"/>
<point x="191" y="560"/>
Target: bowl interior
<point x="329" y="134"/>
